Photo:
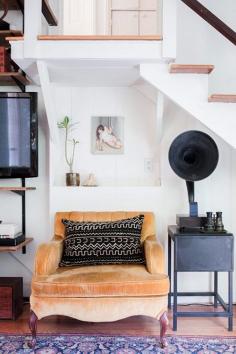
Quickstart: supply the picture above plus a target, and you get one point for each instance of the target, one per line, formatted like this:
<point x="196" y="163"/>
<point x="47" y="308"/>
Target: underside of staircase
<point x="187" y="86"/>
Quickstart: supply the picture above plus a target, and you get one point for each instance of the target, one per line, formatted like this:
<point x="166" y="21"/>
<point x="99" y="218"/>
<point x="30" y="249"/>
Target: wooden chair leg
<point x="164" y="324"/>
<point x="33" y="328"/>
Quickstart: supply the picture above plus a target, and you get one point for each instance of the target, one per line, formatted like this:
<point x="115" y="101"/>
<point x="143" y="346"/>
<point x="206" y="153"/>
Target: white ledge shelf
<point x="102" y="188"/>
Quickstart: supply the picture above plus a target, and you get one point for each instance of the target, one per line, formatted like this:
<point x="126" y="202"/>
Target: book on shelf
<point x="5" y="62"/>
<point x="12" y="241"/>
<point x="11" y="237"/>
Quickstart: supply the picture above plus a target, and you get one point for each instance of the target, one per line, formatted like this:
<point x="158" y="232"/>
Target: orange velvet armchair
<point x="103" y="292"/>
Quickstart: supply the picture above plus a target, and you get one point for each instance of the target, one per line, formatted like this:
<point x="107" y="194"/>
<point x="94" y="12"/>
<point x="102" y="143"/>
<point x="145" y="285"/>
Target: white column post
<point x="48" y="100"/>
<point x="33" y="19"/>
<point x="169" y="29"/>
<point x="159" y="130"/>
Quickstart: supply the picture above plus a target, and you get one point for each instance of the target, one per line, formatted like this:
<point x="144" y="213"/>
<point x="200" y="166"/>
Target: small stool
<point x="11" y="298"/>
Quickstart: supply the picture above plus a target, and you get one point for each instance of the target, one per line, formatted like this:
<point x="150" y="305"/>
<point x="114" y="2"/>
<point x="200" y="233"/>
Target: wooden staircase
<point x="202" y="69"/>
<point x="191" y="69"/>
<point x="182" y="84"/>
<point x="222" y="98"/>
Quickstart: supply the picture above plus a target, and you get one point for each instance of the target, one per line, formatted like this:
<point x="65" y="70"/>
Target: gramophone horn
<point x="193" y="155"/>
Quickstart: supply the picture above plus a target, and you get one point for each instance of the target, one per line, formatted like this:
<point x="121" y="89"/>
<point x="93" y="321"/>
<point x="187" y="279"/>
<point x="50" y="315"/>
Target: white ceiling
<point x="93" y="76"/>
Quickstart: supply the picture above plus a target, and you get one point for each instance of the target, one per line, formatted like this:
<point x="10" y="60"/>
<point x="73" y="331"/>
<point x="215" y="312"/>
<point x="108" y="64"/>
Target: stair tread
<point x="225" y="98"/>
<point x="191" y="68"/>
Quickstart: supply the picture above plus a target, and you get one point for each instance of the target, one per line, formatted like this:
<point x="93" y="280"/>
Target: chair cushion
<point x="115" y="242"/>
<point x="101" y="281"/>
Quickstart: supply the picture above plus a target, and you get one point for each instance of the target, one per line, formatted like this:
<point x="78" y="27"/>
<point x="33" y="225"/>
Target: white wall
<point x="213" y="193"/>
<point x="15" y="19"/>
<point x="199" y="43"/>
<point x="139" y="115"/>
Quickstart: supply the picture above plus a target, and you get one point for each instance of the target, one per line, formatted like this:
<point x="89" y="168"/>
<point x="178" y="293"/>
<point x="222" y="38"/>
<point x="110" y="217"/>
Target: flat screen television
<point x="18" y="135"/>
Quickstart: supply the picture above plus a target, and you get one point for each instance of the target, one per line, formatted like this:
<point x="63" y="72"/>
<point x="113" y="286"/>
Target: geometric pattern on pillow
<point x="113" y="242"/>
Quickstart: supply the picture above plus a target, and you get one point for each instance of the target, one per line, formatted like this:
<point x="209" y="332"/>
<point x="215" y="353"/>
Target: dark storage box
<point x="12" y="241"/>
<point x="11" y="298"/>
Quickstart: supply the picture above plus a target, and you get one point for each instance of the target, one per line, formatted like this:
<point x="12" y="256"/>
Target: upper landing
<point x="132" y="30"/>
<point x="46" y="47"/>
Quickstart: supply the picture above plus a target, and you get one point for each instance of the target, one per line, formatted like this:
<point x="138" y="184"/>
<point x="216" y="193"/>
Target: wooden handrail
<point x="48" y="13"/>
<point x="5" y="11"/>
<point x="212" y="19"/>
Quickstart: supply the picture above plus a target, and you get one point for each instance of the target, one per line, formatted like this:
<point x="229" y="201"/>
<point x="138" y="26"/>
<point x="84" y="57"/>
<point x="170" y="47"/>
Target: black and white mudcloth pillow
<point x="115" y="242"/>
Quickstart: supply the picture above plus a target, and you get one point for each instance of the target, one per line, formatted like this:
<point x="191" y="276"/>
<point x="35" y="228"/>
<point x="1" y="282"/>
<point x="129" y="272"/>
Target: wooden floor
<point x="138" y="325"/>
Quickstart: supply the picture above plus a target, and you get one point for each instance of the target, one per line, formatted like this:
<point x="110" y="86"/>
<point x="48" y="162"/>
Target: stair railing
<point x="212" y="19"/>
<point x="5" y="9"/>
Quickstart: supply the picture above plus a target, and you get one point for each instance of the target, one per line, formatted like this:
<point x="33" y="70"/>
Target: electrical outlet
<point x="148" y="165"/>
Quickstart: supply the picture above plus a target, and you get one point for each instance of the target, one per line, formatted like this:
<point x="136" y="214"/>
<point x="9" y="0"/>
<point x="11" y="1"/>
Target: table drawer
<point x="5" y="302"/>
<point x="204" y="253"/>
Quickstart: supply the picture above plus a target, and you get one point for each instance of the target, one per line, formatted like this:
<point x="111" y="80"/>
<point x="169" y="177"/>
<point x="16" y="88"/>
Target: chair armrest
<point x="48" y="257"/>
<point x="154" y="255"/>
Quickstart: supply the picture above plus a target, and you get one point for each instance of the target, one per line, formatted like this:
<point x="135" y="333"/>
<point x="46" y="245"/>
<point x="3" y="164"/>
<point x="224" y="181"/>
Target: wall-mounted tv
<point x="18" y="135"/>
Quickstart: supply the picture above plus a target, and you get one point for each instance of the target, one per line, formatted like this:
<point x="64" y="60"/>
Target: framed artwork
<point x="107" y="135"/>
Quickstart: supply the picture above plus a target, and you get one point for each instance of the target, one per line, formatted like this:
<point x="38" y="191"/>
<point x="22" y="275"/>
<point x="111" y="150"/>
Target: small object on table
<point x="72" y="179"/>
<point x="210" y="225"/>
<point x="219" y="223"/>
<point x="90" y="181"/>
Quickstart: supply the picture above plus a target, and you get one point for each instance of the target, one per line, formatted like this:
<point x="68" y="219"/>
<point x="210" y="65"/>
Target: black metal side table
<point x="201" y="252"/>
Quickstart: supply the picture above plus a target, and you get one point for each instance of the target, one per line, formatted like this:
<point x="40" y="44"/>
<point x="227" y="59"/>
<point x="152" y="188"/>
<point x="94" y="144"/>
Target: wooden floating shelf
<point x="17" y="38"/>
<point x="222" y="98"/>
<point x="7" y="78"/>
<point x="190" y="69"/>
<point x="16" y="248"/>
<point x="46" y="10"/>
<point x="98" y="38"/>
<point x="10" y="33"/>
<point x="89" y="38"/>
<point x="17" y="188"/>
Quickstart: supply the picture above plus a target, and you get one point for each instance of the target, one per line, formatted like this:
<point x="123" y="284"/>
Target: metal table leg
<point x="215" y="289"/>
<point x="175" y="303"/>
<point x="169" y="270"/>
<point x="230" y="301"/>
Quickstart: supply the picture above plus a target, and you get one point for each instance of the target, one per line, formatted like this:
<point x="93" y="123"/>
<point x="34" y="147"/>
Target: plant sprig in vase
<point x="71" y="177"/>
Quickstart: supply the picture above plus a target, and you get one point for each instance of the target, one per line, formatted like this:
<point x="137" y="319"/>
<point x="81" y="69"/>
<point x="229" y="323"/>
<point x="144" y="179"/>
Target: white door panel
<point x="124" y="4"/>
<point x="79" y="17"/>
<point x="148" y="23"/>
<point x="125" y="23"/>
<point x="148" y="4"/>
